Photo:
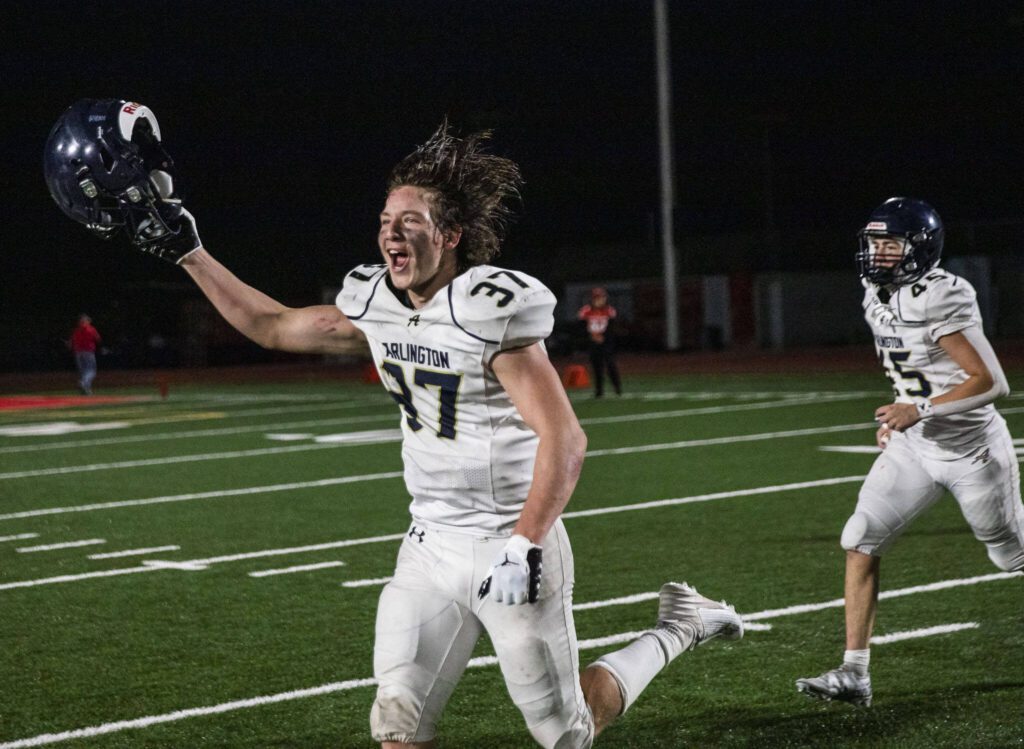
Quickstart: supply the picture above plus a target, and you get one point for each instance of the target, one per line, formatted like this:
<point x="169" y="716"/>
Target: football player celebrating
<point x="941" y="433"/>
<point x="491" y="446"/>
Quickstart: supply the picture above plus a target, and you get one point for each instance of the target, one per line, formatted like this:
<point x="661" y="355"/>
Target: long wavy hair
<point x="467" y="189"/>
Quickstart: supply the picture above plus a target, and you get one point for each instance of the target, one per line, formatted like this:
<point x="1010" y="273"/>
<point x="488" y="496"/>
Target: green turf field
<point x="155" y="630"/>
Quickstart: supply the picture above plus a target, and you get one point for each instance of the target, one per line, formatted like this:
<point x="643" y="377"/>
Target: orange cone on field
<point x="575" y="376"/>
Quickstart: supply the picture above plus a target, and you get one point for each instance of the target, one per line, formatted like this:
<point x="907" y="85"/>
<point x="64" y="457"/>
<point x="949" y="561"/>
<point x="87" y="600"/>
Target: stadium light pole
<point x="668" y="247"/>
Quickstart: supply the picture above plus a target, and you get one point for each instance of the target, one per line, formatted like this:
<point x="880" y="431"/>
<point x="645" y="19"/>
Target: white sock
<point x="857" y="660"/>
<point x="634" y="666"/>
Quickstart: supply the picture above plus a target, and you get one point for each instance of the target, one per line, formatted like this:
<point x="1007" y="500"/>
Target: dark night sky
<point x="284" y="118"/>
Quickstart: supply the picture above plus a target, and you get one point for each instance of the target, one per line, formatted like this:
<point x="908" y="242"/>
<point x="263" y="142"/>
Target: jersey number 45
<point x="905" y="382"/>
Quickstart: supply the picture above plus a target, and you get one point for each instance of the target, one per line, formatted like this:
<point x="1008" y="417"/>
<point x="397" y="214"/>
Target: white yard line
<point x="62" y="545"/>
<point x="713" y="496"/>
<point x="297" y="568"/>
<point x="727" y="440"/>
<point x="942" y="629"/>
<point x="366" y="583"/>
<point x="707" y="410"/>
<point x="19" y="537"/>
<point x="76" y="578"/>
<point x="298" y="549"/>
<point x="133" y="552"/>
<point x="885" y="594"/>
<point x="200" y="433"/>
<point x="196" y="458"/>
<point x="294" y="486"/>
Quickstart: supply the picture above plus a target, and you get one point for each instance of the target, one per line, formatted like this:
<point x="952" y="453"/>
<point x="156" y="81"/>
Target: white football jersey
<point x="907" y="328"/>
<point x="468" y="454"/>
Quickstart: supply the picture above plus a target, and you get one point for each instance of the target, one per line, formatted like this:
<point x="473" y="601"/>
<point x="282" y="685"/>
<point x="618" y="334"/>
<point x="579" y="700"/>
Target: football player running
<point x="491" y="446"/>
<point x="941" y="432"/>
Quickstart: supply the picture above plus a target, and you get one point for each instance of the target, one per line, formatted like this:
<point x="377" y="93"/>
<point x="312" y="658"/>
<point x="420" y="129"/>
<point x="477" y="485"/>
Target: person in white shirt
<point x="492" y="449"/>
<point x="940" y="433"/>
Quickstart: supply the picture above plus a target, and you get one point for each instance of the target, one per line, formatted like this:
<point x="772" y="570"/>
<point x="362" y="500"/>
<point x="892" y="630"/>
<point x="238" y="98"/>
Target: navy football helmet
<point x="916" y="226"/>
<point x="105" y="168"/>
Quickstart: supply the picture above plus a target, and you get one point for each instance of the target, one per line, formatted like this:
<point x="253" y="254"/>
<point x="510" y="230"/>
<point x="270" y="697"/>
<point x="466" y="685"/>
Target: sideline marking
<point x="19" y="537"/>
<point x="63" y="545"/>
<point x="133" y="552"/>
<point x="297" y="568"/>
<point x="940" y="629"/>
<point x="341" y="686"/>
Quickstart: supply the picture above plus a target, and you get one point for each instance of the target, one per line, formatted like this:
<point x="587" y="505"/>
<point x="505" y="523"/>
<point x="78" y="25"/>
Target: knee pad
<point x="1007" y="556"/>
<point x="873" y="527"/>
<point x="397" y="715"/>
<point x="856" y="535"/>
<point x="564" y="730"/>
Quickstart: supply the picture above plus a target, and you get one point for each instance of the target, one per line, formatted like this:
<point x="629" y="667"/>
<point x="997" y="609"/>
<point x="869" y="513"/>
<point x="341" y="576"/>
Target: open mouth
<point x="397" y="260"/>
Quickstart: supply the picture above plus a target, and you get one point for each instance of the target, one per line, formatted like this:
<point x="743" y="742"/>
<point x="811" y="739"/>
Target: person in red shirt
<point x="84" y="339"/>
<point x="598" y="316"/>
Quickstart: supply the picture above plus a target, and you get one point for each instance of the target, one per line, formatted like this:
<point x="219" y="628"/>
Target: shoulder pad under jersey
<point x="501" y="307"/>
<point x="358" y="289"/>
<point x="951" y="304"/>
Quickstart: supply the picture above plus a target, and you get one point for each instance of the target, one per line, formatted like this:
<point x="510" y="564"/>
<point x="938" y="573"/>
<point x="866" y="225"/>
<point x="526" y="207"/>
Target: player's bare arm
<point x="317" y="329"/>
<point x="533" y="384"/>
<point x="982" y="386"/>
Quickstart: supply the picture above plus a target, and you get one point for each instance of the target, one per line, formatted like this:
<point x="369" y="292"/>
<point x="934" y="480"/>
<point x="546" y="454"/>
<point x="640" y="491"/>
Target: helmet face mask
<point x="901" y="242"/>
<point x="98" y="162"/>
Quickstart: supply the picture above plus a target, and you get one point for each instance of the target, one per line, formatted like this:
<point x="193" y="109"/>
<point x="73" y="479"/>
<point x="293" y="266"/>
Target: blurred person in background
<point x="598" y="316"/>
<point x="83" y="342"/>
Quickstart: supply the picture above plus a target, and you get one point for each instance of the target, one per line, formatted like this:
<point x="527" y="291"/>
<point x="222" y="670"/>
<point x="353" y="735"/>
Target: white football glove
<point x="514" y="577"/>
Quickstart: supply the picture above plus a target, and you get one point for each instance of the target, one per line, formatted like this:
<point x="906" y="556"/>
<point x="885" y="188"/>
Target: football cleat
<point x="694" y="619"/>
<point x="841" y="684"/>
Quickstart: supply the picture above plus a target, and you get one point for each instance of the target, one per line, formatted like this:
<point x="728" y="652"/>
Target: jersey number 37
<point x="447" y="384"/>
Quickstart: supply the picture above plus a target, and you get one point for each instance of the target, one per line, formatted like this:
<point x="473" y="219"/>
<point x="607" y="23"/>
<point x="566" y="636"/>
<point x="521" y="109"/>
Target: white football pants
<point x="430" y="617"/>
<point x="901" y="485"/>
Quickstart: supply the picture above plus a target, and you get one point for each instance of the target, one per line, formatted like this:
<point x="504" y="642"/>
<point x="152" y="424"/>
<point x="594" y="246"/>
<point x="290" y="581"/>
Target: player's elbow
<point x="993" y="385"/>
<point x="576" y="441"/>
<point x="1002" y="388"/>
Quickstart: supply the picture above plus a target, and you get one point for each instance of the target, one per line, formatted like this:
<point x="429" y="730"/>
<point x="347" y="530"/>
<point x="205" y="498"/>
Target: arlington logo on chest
<point x="412" y="352"/>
